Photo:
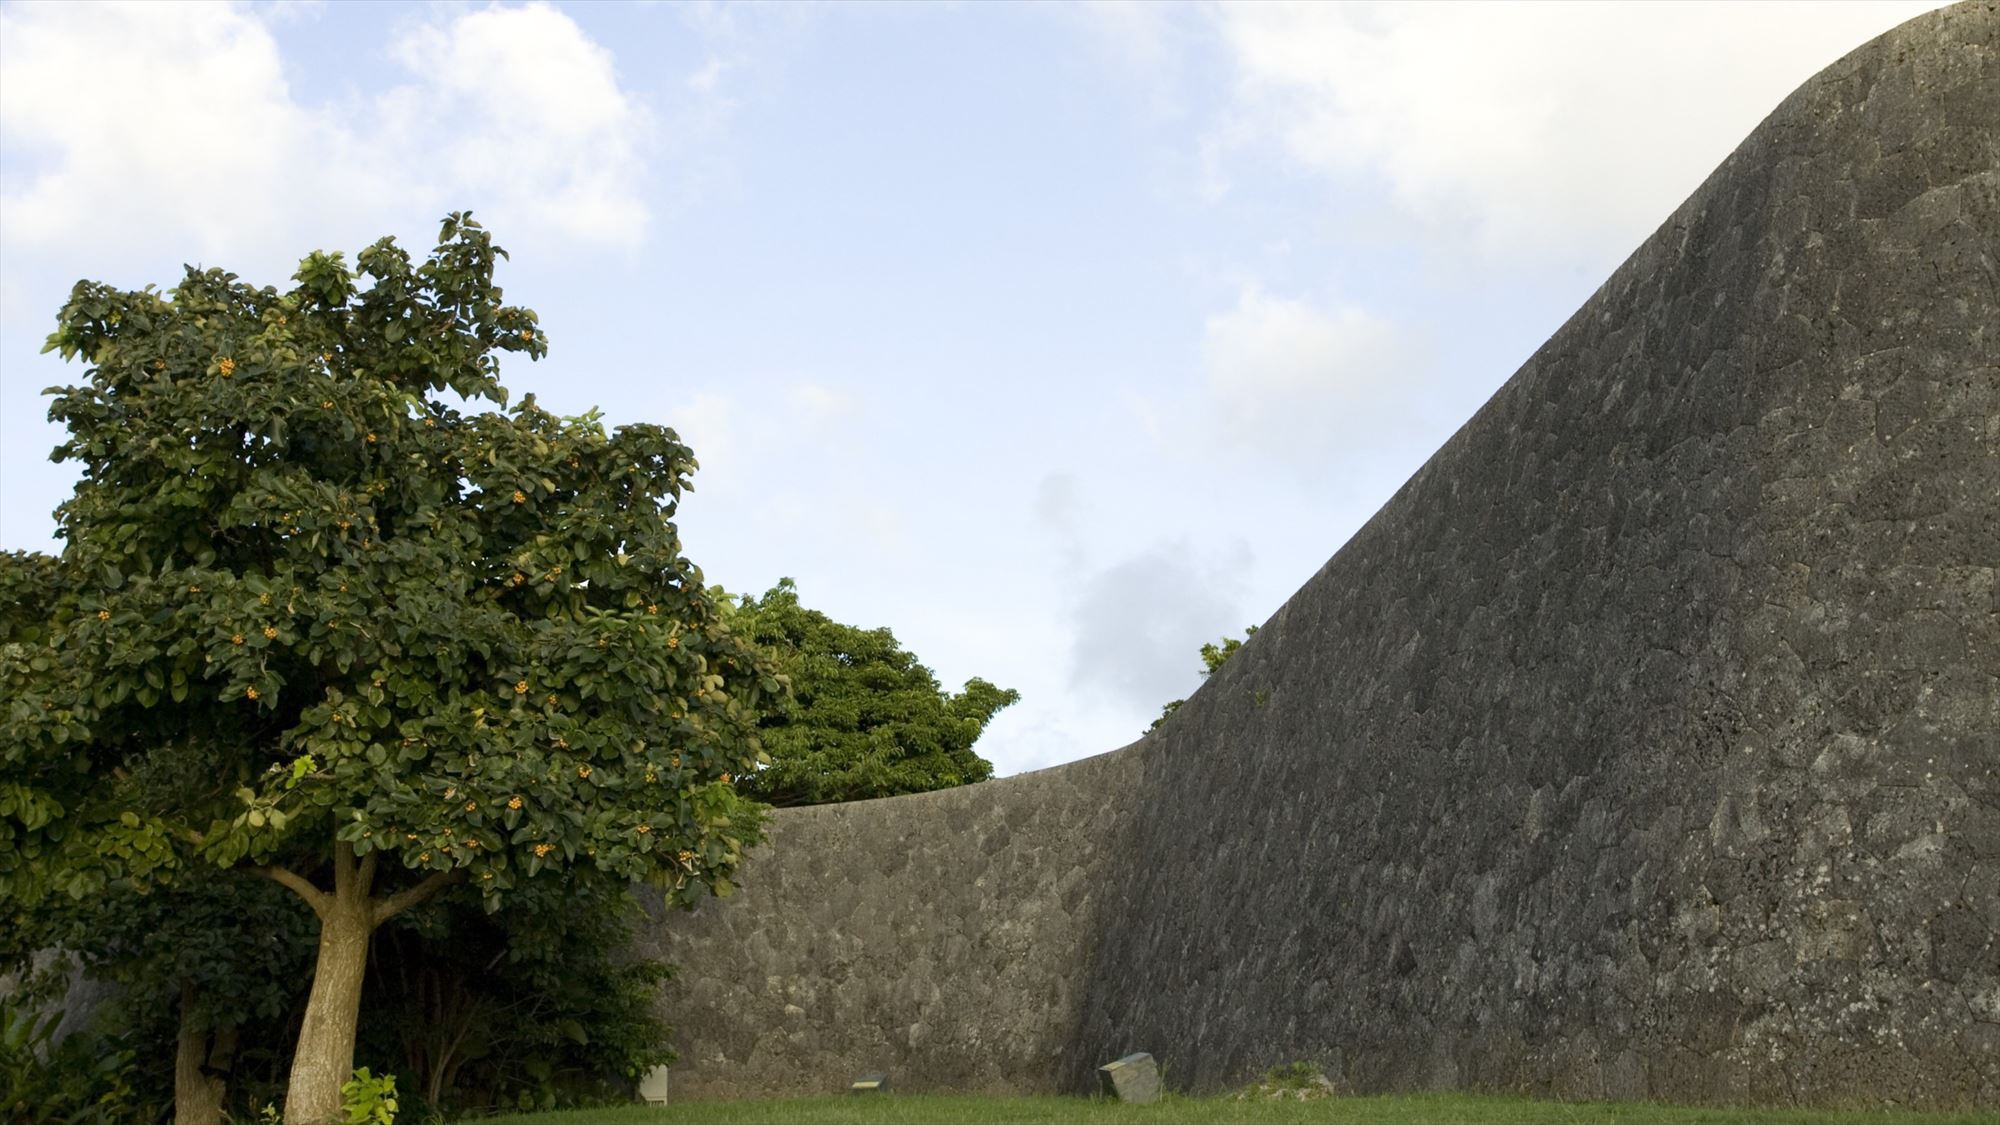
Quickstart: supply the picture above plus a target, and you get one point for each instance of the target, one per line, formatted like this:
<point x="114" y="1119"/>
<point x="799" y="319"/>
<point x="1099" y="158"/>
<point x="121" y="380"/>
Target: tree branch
<point x="423" y="892"/>
<point x="299" y="884"/>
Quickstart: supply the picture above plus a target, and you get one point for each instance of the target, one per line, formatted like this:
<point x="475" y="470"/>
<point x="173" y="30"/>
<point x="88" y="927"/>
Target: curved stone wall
<point x="1646" y="744"/>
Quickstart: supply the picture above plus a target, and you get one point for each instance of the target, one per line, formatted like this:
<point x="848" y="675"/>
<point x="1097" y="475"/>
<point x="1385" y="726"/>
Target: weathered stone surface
<point x="1647" y="744"/>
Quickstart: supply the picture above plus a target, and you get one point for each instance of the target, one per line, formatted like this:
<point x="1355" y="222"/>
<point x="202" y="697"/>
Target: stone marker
<point x="653" y="1087"/>
<point x="1134" y="1078"/>
<point x="876" y="1083"/>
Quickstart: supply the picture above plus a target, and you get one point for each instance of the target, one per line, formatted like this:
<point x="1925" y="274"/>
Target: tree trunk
<point x="324" y="1059"/>
<point x="197" y="1093"/>
<point x="325" y="1056"/>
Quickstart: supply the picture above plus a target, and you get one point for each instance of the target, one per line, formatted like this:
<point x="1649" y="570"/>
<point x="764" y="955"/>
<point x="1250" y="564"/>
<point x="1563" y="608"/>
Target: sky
<point x="1058" y="338"/>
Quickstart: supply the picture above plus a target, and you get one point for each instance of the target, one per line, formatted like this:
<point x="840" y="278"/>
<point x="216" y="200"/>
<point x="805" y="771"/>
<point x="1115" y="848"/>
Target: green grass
<point x="1414" y="1109"/>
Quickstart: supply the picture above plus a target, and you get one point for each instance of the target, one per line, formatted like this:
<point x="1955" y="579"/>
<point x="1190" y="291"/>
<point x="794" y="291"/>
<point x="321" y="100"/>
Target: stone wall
<point x="1646" y="744"/>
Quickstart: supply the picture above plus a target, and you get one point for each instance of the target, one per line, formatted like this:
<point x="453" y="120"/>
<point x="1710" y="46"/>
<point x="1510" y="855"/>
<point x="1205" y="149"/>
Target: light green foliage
<point x="1212" y="658"/>
<point x="864" y="719"/>
<point x="369" y="1099"/>
<point x="1299" y="1081"/>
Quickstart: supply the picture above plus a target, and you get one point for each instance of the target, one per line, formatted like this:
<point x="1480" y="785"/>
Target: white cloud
<point x="815" y="407"/>
<point x="1139" y="625"/>
<point x="1561" y="129"/>
<point x="1287" y="374"/>
<point x="173" y="126"/>
<point x="521" y="105"/>
<point x="158" y="122"/>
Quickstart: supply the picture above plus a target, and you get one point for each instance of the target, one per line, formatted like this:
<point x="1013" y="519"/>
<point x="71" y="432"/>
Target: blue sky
<point x="1058" y="338"/>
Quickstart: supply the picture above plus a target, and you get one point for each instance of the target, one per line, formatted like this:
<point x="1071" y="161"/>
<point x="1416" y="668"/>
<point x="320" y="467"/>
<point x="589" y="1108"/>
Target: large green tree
<point x="329" y="612"/>
<point x="864" y="718"/>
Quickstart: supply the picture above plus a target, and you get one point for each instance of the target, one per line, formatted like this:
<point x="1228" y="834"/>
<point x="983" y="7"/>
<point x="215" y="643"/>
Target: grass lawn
<point x="1416" y="1109"/>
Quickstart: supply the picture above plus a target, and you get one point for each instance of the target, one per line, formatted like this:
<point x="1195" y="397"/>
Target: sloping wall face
<point x="1647" y="744"/>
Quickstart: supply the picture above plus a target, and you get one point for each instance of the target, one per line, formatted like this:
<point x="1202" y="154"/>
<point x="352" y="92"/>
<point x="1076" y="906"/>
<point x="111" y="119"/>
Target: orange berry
<point x="270" y="633"/>
<point x="521" y="687"/>
<point x="644" y="828"/>
<point x="236" y="639"/>
<point x="583" y="771"/>
<point x="514" y="803"/>
<point x="104" y="615"/>
<point x="472" y="806"/>
<point x="520" y="497"/>
<point x="250" y="693"/>
<point x="227" y="366"/>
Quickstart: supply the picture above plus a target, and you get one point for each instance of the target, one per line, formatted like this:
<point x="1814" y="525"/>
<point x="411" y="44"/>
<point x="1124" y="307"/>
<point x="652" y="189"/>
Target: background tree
<point x="864" y="718"/>
<point x="539" y="1005"/>
<point x="1212" y="658"/>
<point x="322" y="624"/>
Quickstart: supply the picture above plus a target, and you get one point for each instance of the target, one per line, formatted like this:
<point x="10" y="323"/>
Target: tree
<point x="864" y="718"/>
<point x="329" y="616"/>
<point x="1212" y="657"/>
<point x="538" y="1005"/>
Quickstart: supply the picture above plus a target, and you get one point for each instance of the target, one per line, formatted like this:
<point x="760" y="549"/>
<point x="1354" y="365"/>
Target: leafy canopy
<point x="317" y="586"/>
<point x="865" y="719"/>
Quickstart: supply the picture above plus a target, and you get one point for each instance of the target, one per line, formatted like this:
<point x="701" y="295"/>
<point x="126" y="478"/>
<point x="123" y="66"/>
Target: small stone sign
<point x="876" y="1083"/>
<point x="653" y="1087"/>
<point x="1134" y="1078"/>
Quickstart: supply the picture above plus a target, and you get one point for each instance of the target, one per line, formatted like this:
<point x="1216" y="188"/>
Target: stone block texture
<point x="1645" y="745"/>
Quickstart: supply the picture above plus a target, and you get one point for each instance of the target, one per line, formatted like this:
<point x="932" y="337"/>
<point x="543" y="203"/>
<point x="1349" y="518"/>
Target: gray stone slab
<point x="1134" y="1078"/>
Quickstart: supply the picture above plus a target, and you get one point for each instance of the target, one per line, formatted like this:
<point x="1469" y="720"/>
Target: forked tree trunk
<point x="324" y="1059"/>
<point x="197" y="1093"/>
<point x="325" y="1055"/>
